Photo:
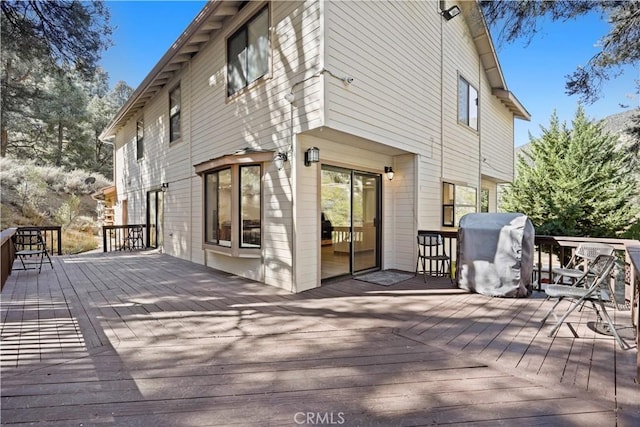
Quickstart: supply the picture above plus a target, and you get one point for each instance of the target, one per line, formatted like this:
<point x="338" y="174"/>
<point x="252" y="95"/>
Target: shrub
<point x="68" y="212"/>
<point x="76" y="241"/>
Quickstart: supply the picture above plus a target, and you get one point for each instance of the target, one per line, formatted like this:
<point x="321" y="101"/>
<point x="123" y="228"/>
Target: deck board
<point x="146" y="339"/>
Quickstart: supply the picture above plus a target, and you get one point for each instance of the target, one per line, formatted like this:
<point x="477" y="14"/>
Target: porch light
<point x="164" y="186"/>
<point x="451" y="13"/>
<point x="388" y="170"/>
<point x="279" y="159"/>
<point x="312" y="155"/>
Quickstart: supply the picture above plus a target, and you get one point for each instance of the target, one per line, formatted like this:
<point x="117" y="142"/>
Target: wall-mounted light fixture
<point x="164" y="186"/>
<point x="451" y="13"/>
<point x="388" y="170"/>
<point x="312" y="155"/>
<point x="279" y="159"/>
<point x="290" y="97"/>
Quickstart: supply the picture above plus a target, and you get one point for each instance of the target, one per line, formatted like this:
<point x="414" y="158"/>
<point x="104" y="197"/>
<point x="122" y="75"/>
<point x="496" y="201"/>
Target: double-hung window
<point x="457" y="201"/>
<point x="175" y="128"/>
<point x="248" y="53"/>
<point x="467" y="104"/>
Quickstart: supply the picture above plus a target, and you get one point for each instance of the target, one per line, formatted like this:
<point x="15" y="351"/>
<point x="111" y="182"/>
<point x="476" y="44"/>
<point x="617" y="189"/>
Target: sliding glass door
<point x="350" y="203"/>
<point x="155" y="215"/>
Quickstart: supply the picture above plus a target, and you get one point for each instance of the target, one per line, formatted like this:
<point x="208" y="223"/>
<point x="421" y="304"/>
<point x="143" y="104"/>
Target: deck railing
<point x="7" y="254"/>
<point x="633" y="251"/>
<point x="550" y="250"/>
<point x="52" y="236"/>
<point x="123" y="237"/>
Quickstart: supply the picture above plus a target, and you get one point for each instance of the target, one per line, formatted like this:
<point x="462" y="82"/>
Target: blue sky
<point x="535" y="73"/>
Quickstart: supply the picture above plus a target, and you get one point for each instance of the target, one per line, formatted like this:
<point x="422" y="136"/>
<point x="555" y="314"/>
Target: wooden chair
<point x="29" y="244"/>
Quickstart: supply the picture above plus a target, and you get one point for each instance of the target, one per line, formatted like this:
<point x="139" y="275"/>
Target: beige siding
<point x="461" y="146"/>
<point x="213" y="126"/>
<point x="391" y="49"/>
<point x="400" y="110"/>
<point x="496" y="137"/>
<point x="400" y="214"/>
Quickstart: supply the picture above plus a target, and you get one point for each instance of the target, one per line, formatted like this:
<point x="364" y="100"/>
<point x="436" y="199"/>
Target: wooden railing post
<point x="7" y="254"/>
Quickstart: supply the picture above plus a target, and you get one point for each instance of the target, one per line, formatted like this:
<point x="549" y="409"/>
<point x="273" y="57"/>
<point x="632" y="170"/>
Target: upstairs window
<point x="139" y="139"/>
<point x="467" y="104"/>
<point x="457" y="201"/>
<point x="175" y="128"/>
<point x="248" y="53"/>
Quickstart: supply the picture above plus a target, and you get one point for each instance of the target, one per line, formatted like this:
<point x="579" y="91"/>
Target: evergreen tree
<point x="575" y="182"/>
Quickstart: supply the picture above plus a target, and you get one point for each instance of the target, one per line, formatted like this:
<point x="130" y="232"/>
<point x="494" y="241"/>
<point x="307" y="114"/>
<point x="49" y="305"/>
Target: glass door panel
<point x="335" y="203"/>
<point x="350" y="203"/>
<point x="365" y="221"/>
<point x="155" y="218"/>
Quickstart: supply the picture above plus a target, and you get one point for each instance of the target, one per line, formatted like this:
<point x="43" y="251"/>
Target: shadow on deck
<point x="147" y="339"/>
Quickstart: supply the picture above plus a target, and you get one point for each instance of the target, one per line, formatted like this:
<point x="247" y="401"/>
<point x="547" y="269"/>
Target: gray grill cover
<point x="495" y="254"/>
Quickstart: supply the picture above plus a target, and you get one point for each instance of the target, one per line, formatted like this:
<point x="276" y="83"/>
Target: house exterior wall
<point x="400" y="111"/>
<point x="214" y="125"/>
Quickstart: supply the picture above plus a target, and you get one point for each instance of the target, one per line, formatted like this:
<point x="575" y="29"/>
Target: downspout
<point x="190" y="166"/>
<point x="441" y="109"/>
<point x="479" y="191"/>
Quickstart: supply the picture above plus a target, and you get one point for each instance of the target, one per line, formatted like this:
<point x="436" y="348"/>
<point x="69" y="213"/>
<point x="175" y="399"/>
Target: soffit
<point x="489" y="59"/>
<point x="203" y="28"/>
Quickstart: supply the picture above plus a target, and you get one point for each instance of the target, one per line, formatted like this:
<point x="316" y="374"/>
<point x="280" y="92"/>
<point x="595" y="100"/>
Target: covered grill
<point x="495" y="254"/>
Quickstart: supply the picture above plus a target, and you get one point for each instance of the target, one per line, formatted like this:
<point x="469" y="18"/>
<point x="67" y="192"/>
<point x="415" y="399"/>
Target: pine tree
<point x="575" y="182"/>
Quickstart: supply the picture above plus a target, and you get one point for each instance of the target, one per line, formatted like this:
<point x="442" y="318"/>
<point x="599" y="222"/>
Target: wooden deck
<point x="146" y="339"/>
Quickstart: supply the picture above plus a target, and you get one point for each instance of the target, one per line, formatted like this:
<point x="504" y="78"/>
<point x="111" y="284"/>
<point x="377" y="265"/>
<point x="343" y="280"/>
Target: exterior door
<point x="350" y="217"/>
<point x="155" y="214"/>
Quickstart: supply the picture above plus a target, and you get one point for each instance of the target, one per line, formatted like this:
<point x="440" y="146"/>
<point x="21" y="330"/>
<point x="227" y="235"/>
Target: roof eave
<point x="188" y="44"/>
<point x="489" y="59"/>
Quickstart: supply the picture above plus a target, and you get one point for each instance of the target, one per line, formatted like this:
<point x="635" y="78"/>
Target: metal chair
<point x="584" y="254"/>
<point x="29" y="243"/>
<point x="134" y="238"/>
<point x="431" y="250"/>
<point x="594" y="287"/>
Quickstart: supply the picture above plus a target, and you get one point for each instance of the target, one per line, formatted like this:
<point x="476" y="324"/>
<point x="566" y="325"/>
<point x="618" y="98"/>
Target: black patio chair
<point x="31" y="249"/>
<point x="432" y="256"/>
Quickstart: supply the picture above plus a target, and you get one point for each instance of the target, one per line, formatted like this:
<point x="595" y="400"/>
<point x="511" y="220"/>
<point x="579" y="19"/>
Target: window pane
<point x="447" y="193"/>
<point x="139" y="139"/>
<point x="174" y="114"/>
<point x="176" y="132"/>
<point x="174" y="101"/>
<point x="237" y="62"/>
<point x="447" y="216"/>
<point x="224" y="207"/>
<point x="211" y="209"/>
<point x="465" y="196"/>
<point x="463" y="101"/>
<point x="258" y="46"/>
<point x="473" y="107"/>
<point x="484" y="200"/>
<point x="250" y="206"/>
